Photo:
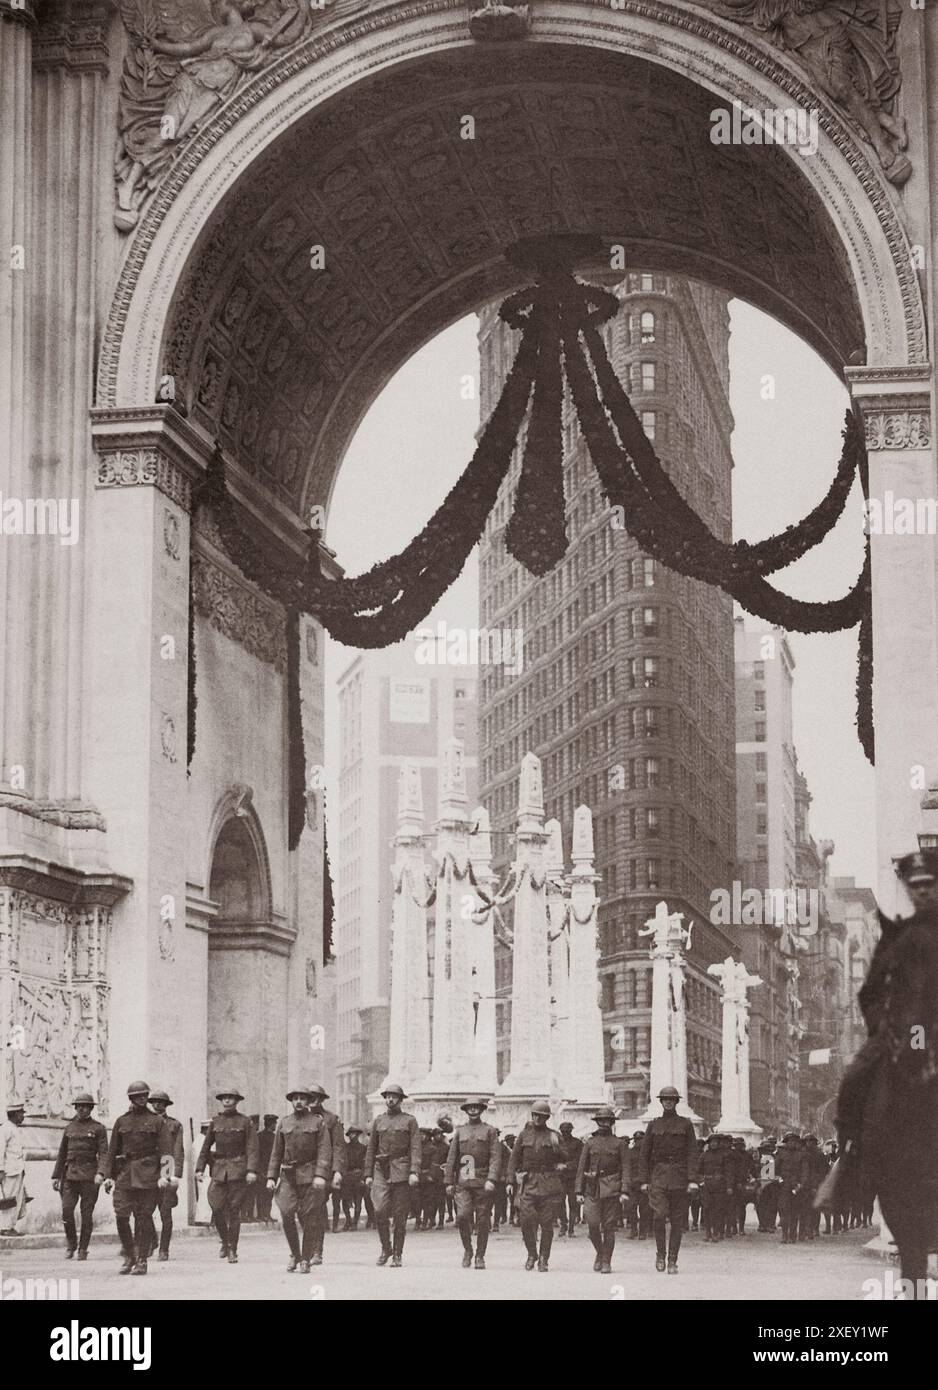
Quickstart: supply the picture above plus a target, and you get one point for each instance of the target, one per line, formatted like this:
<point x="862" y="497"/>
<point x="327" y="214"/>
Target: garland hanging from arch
<point x="558" y="318"/>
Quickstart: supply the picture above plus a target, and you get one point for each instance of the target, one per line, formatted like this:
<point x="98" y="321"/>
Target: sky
<point x="785" y="448"/>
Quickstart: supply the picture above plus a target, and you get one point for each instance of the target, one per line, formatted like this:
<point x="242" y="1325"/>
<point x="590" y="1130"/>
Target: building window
<point x="654" y="821"/>
<point x="760" y="731"/>
<point x="648" y="567"/>
<point x="650" y="672"/>
<point x="648" y="376"/>
<point x="761" y="763"/>
<point x="760" y="701"/>
<point x="762" y="824"/>
<point x="648" y="283"/>
<point x="653" y="867"/>
<point x="760" y="791"/>
<point x="650" y="622"/>
<point x="758" y="670"/>
<point x="648" y="327"/>
<point x="652" y="772"/>
<point x="648" y="424"/>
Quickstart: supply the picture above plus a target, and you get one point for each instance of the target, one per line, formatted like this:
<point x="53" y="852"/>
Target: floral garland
<point x="558" y="318"/>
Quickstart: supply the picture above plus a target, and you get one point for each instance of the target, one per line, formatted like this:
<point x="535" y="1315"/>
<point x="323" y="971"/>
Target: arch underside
<point x="279" y="360"/>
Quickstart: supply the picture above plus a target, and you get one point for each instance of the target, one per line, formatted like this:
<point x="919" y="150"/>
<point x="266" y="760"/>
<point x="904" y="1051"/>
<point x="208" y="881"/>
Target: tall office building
<point x="627" y="688"/>
<point x="767" y="802"/>
<point x="392" y="708"/>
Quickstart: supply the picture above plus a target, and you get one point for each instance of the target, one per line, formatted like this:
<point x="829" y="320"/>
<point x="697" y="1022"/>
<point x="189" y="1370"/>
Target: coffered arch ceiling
<point x="280" y="360"/>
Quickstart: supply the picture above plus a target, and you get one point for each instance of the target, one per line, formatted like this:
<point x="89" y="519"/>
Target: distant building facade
<point x="392" y="707"/>
<point x="627" y="689"/>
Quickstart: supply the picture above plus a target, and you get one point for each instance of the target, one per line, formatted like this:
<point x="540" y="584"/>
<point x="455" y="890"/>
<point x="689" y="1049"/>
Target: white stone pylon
<point x="530" y="1017"/>
<point x="734" y="1093"/>
<point x="453" y="1057"/>
<point x="558" y="959"/>
<point x="585" y="1077"/>
<point x="409" y="1052"/>
<point x="483" y="937"/>
<point x="668" y="1012"/>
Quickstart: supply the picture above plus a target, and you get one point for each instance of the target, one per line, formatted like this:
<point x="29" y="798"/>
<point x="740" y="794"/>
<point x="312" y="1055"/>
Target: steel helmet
<point x="670" y="1092"/>
<point x="83" y="1098"/>
<point x="161" y="1095"/>
<point x="480" y="1101"/>
<point x="228" y="1091"/>
<point x="540" y="1107"/>
<point x="138" y="1088"/>
<point x="605" y="1112"/>
<point x="393" y="1089"/>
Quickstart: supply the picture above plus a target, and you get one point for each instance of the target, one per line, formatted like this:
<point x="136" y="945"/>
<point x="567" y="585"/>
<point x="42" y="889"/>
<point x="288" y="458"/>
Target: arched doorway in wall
<point x="248" y="957"/>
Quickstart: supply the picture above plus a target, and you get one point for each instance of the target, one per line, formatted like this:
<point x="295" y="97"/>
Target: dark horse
<point x="887" y="1110"/>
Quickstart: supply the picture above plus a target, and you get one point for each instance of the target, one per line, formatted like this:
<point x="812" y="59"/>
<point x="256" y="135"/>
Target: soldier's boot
<point x="127" y="1244"/>
<point x="221" y="1226"/>
<point x="293" y="1240"/>
<point x="547" y="1240"/>
<point x="82" y="1254"/>
<point x="609" y="1244"/>
<point x="71" y="1236"/>
<point x="84" y="1239"/>
<point x="597" y="1243"/>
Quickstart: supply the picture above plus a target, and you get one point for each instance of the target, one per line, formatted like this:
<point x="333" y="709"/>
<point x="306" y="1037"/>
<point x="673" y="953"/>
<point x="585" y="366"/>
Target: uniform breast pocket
<point x="467" y="1167"/>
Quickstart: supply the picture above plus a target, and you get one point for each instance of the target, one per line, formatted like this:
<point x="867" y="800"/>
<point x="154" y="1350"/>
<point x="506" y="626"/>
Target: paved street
<point x="754" y="1267"/>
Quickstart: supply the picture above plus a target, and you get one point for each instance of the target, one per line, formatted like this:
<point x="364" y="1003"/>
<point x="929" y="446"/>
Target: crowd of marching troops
<point x="661" y="1182"/>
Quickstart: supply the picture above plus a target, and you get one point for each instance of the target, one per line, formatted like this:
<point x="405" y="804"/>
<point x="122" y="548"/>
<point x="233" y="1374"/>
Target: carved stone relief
<point x="238" y="612"/>
<point x="53" y="996"/>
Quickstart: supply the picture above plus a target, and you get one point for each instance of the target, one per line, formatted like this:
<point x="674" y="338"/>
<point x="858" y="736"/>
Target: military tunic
<point x="716" y="1171"/>
<point x="230" y="1147"/>
<point x="474" y="1159"/>
<point x="538" y="1159"/>
<point x="392" y="1157"/>
<point x="302" y="1151"/>
<point x="667" y="1161"/>
<point x="82" y="1157"/>
<point x="602" y="1178"/>
<point x="140" y="1143"/>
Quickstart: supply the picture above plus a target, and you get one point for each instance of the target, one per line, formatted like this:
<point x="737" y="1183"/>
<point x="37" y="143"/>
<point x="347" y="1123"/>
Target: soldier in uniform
<point x="500" y="1213"/>
<point x="392" y="1168"/>
<point x="732" y="1179"/>
<point x="790" y="1175"/>
<point x="537" y="1161"/>
<point x="337" y="1140"/>
<point x="140" y="1141"/>
<point x="443" y="1134"/>
<point x="695" y="1203"/>
<point x="570" y="1147"/>
<point x="601" y="1184"/>
<point x="265" y="1146"/>
<point x="766" y="1187"/>
<point x="639" y="1216"/>
<point x="439" y="1201"/>
<point x="815" y="1173"/>
<point x="713" y="1171"/>
<point x="745" y="1174"/>
<point x="470" y="1174"/>
<point x="353" y="1182"/>
<point x="302" y="1162"/>
<point x="231" y="1146"/>
<point x="80" y="1169"/>
<point x="169" y="1196"/>
<point x="887" y="1110"/>
<point x="667" y="1169"/>
<point x="12" y="1167"/>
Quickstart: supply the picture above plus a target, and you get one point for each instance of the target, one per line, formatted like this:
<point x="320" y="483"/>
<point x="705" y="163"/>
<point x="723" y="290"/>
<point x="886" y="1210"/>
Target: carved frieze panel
<point x="53" y="1001"/>
<point x="238" y="612"/>
<point x="897" y="429"/>
<point x="144" y="468"/>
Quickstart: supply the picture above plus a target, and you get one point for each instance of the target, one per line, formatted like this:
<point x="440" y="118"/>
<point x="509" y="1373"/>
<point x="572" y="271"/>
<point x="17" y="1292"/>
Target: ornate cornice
<point x="65" y="886"/>
<point x="73" y="34"/>
<point x="895" y="403"/>
<point x="68" y="815"/>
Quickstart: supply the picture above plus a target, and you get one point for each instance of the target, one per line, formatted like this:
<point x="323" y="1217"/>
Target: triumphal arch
<point x="227" y="225"/>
